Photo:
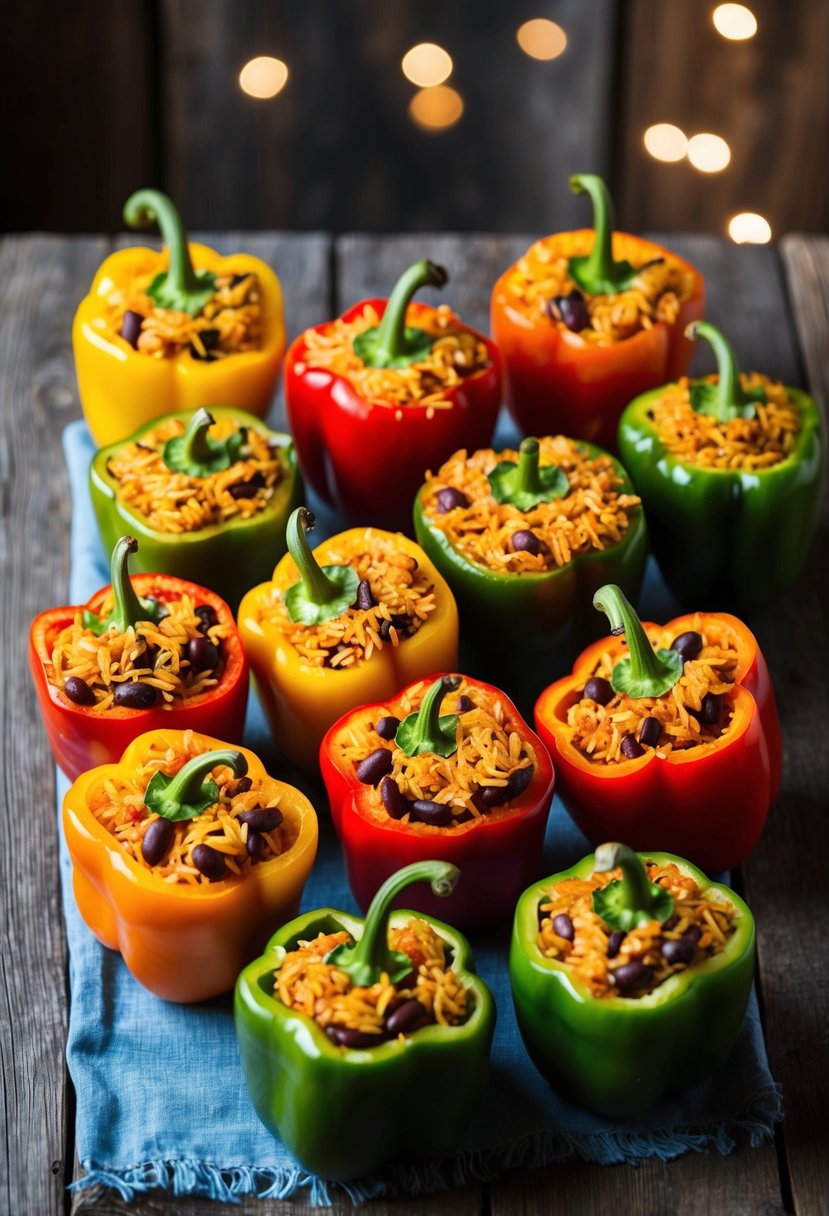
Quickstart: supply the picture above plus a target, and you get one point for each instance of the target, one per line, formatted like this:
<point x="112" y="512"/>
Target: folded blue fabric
<point x="161" y="1103"/>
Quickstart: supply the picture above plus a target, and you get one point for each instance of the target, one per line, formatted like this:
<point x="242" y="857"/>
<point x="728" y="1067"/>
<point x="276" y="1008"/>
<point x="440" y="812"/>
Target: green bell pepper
<point x="617" y="1055"/>
<point x="544" y="618"/>
<point x="229" y="557"/>
<point x="726" y="537"/>
<point x="345" y="1111"/>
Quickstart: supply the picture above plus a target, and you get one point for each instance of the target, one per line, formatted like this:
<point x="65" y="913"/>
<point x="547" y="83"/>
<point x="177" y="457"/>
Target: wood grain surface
<point x="776" y="308"/>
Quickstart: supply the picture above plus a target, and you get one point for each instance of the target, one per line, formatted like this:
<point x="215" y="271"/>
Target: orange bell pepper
<point x="184" y="943"/>
<point x="121" y="388"/>
<point x="556" y="380"/>
<point x="707" y="802"/>
<point x="301" y="700"/>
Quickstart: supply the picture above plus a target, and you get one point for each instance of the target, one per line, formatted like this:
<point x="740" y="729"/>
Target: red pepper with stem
<point x="80" y="735"/>
<point x="368" y="455"/>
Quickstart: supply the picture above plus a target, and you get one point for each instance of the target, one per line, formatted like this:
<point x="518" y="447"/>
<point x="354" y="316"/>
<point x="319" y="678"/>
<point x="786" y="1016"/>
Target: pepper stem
<point x="727" y="399"/>
<point x="646" y="672"/>
<point x="187" y="784"/>
<point x="426" y="730"/>
<point x="527" y="478"/>
<point x="129" y="609"/>
<point x="597" y="273"/>
<point x="318" y="587"/>
<point x="633" y="899"/>
<point x="180" y="287"/>
<point x="392" y="343"/>
<point x="372" y="957"/>
<point x="195" y="448"/>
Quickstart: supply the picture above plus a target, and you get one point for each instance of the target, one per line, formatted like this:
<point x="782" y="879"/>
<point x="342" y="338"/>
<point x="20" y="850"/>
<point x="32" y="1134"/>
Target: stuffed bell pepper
<point x="365" y="1043"/>
<point x="207" y="493"/>
<point x="184" y="854"/>
<point x="524" y="539"/>
<point x="350" y="622"/>
<point x="386" y="392"/>
<point x="147" y="652"/>
<point x="445" y="768"/>
<point x="175" y="330"/>
<point x="730" y="468"/>
<point x="667" y="733"/>
<point x="630" y="977"/>
<point x="588" y="319"/>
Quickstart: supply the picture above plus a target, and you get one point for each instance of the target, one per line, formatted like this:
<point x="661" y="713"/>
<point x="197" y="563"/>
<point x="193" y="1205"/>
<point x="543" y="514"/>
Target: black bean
<point x="614" y="942"/>
<point x="394" y="802"/>
<point x="563" y="926"/>
<point x="365" y="600"/>
<point x="375" y="765"/>
<point x="405" y="1017"/>
<point x="439" y="814"/>
<point x="399" y="622"/>
<point x="599" y="690"/>
<point x="209" y="862"/>
<point x="630" y="749"/>
<point x="632" y="975"/>
<point x="136" y="696"/>
<point x="525" y="541"/>
<point x="386" y="728"/>
<point x="202" y="654"/>
<point x="239" y="278"/>
<point x="262" y="818"/>
<point x="78" y="690"/>
<point x="497" y="795"/>
<point x="464" y="705"/>
<point x="207" y="616"/>
<point x="649" y="732"/>
<point x="681" y="951"/>
<point x="449" y="498"/>
<point x="131" y="327"/>
<point x="255" y="845"/>
<point x="464" y="816"/>
<point x="520" y="779"/>
<point x="687" y="645"/>
<point x="157" y="840"/>
<point x="344" y="1036"/>
<point x="693" y="933"/>
<point x="571" y="310"/>
<point x="150" y="656"/>
<point x="711" y="709"/>
<point x="209" y="338"/>
<point x="243" y="785"/>
<point x="247" y="489"/>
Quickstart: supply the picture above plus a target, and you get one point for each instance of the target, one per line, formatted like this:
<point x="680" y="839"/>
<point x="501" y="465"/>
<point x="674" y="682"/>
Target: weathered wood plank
<point x="41" y="279"/>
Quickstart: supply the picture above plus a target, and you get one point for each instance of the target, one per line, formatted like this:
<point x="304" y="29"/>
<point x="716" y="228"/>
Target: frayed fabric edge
<point x="531" y="1151"/>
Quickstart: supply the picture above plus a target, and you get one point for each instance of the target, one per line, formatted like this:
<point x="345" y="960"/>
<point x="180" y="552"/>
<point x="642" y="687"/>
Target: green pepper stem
<point x="319" y="588"/>
<point x="634" y="889"/>
<point x="195" y="448"/>
<point x="729" y="392"/>
<point x="426" y="735"/>
<point x="598" y="267"/>
<point x="648" y="673"/>
<point x="186" y="786"/>
<point x="128" y="610"/>
<point x="527" y="478"/>
<point x="145" y="206"/>
<point x="372" y="951"/>
<point x="391" y="333"/>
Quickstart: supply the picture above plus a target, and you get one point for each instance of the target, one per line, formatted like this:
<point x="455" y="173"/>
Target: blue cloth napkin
<point x="161" y="1102"/>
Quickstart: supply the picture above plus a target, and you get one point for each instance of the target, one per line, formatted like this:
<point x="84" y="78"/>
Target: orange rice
<point x="175" y="502"/>
<point x="117" y="802"/>
<point x="307" y="983"/>
<point x="229" y="323"/>
<point x="404" y="598"/>
<point x="741" y="443"/>
<point x="148" y="653"/>
<point x="600" y="729"/>
<point x="592" y="516"/>
<point x="490" y="751"/>
<point x="708" y="920"/>
<point x="456" y="355"/>
<point x="655" y="295"/>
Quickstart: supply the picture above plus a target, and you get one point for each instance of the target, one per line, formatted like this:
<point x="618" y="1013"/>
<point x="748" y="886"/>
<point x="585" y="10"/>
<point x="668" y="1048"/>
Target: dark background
<point x="100" y="97"/>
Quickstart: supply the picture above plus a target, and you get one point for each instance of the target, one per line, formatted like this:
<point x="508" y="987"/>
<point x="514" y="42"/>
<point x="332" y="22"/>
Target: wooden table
<point x="775" y="305"/>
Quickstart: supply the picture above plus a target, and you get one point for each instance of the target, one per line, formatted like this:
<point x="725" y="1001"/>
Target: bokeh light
<point x="664" y="141"/>
<point x="708" y="153"/>
<point x="427" y="64"/>
<point x="436" y="108"/>
<point x="541" y="39"/>
<point x="263" y="77"/>
<point x="749" y="228"/>
<point x="734" y="21"/>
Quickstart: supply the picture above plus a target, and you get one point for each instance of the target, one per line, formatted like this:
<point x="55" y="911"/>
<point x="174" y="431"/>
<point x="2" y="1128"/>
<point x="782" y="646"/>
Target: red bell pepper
<point x="366" y="456"/>
<point x="82" y="738"/>
<point x="708" y="802"/>
<point x="498" y="853"/>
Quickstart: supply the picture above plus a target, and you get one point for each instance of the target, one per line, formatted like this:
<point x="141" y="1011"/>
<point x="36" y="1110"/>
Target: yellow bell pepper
<point x="303" y="700"/>
<point x="122" y="388"/>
